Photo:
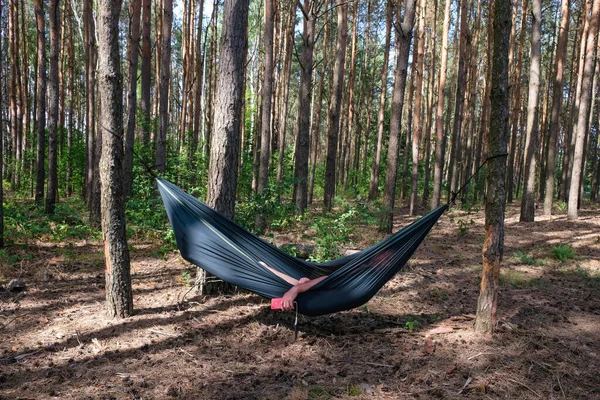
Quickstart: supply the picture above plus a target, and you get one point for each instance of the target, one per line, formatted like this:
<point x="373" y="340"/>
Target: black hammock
<point x="225" y="249"/>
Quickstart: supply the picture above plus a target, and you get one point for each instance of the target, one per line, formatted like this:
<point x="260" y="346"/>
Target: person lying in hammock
<point x="300" y="285"/>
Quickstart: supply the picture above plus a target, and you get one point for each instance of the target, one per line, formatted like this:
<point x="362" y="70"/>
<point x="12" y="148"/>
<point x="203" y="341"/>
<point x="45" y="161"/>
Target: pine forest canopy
<point x="385" y="100"/>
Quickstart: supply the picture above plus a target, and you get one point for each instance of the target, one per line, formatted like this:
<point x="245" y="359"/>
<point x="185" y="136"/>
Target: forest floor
<point x="412" y="340"/>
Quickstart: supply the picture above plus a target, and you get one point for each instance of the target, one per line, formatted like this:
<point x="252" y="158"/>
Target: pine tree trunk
<point x="493" y="247"/>
<point x="584" y="107"/>
<point x="119" y="300"/>
<point x="418" y="124"/>
<point x="223" y="167"/>
<point x="516" y="105"/>
<point x="198" y="89"/>
<point x="267" y="88"/>
<point x="133" y="42"/>
<point x="303" y="138"/>
<point x="316" y="124"/>
<point x="571" y="135"/>
<point x="439" y="116"/>
<point x="557" y="97"/>
<point x="1" y="144"/>
<point x="41" y="101"/>
<point x="335" y="104"/>
<point x="531" y="144"/>
<point x="146" y="70"/>
<point x="403" y="39"/>
<point x="53" y="14"/>
<point x="455" y="154"/>
<point x="165" y="80"/>
<point x="431" y="44"/>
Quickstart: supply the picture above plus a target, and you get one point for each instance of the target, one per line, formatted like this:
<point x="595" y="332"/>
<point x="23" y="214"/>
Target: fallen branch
<point x="379" y="364"/>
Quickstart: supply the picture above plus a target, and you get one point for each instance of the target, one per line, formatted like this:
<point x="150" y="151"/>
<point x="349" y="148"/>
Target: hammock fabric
<point x="220" y="246"/>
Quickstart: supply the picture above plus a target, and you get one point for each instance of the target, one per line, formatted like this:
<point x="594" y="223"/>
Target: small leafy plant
<point x="524" y="258"/>
<point x="563" y="252"/>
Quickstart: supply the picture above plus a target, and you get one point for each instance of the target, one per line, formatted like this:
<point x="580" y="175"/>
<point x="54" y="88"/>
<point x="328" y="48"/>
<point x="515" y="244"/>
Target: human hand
<point x="287" y="302"/>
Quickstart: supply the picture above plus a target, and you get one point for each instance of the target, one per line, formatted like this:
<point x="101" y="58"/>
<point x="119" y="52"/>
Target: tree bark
<point x="2" y="143"/>
<point x="439" y="116"/>
<point x="557" y="97"/>
<point x="41" y="101"/>
<point x="335" y="104"/>
<point x="52" y="188"/>
<point x="455" y="154"/>
<point x="119" y="299"/>
<point x="265" y="126"/>
<point x="316" y="125"/>
<point x="584" y="107"/>
<point x="133" y="42"/>
<point x="493" y="247"/>
<point x="403" y="39"/>
<point x="516" y="95"/>
<point x="303" y="138"/>
<point x="223" y="167"/>
<point x="418" y="123"/>
<point x="531" y="143"/>
<point x="146" y="70"/>
<point x="375" y="167"/>
<point x="165" y="80"/>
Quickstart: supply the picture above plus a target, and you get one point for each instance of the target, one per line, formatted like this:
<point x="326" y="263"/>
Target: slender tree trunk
<point x="53" y="13"/>
<point x="430" y="112"/>
<point x="493" y="247"/>
<point x="199" y="88"/>
<point x="146" y="70"/>
<point x="2" y="140"/>
<point x="531" y="144"/>
<point x="222" y="174"/>
<point x="335" y="104"/>
<point x="71" y="118"/>
<point x="41" y="101"/>
<point x="584" y="106"/>
<point x="375" y="167"/>
<point x="516" y="94"/>
<point x="403" y="39"/>
<point x="316" y="125"/>
<point x="575" y="105"/>
<point x="165" y="81"/>
<point x="303" y="138"/>
<point x="557" y="97"/>
<point x="119" y="299"/>
<point x="418" y="123"/>
<point x="267" y="88"/>
<point x="348" y="106"/>
<point x="465" y="41"/>
<point x="132" y="61"/>
<point x="439" y="116"/>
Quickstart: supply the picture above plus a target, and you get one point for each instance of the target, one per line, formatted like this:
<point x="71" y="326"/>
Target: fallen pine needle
<point x="469" y="379"/>
<point x="379" y="364"/>
<point x="525" y="386"/>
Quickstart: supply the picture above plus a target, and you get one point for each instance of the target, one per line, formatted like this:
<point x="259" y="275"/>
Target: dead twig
<point x="162" y="333"/>
<point x="469" y="379"/>
<point x="379" y="364"/>
<point x="560" y="386"/>
<point x="525" y="386"/>
<point x="13" y="320"/>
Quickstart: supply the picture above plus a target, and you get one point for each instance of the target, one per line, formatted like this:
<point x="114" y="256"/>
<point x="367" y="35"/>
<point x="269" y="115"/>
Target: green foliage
<point x="330" y="233"/>
<point x="591" y="278"/>
<point x="318" y="393"/>
<point x="268" y="204"/>
<point x="524" y="258"/>
<point x="463" y="226"/>
<point x="186" y="278"/>
<point x="25" y="221"/>
<point x="412" y="325"/>
<point x="354" y="390"/>
<point x="563" y="252"/>
<point x="560" y="205"/>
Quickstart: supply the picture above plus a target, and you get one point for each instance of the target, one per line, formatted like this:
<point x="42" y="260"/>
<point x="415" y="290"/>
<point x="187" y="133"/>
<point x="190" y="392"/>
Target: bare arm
<point x="288" y="298"/>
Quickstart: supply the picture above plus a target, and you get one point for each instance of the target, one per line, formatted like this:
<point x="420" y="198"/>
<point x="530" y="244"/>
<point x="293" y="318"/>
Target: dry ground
<point x="413" y="340"/>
